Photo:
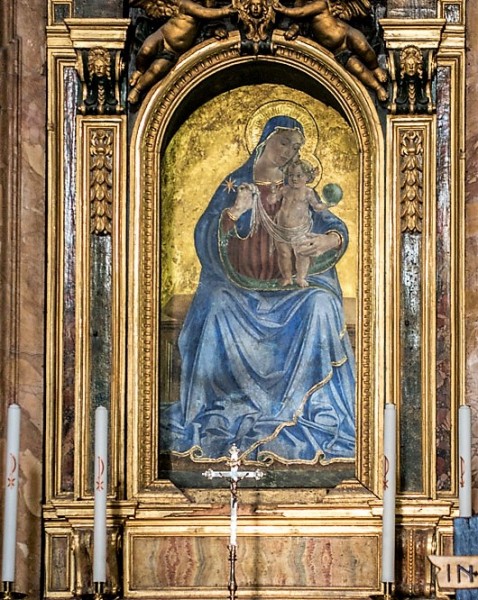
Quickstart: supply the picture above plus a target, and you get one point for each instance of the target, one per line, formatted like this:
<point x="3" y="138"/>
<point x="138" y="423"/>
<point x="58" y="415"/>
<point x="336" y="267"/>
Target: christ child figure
<point x="293" y="220"/>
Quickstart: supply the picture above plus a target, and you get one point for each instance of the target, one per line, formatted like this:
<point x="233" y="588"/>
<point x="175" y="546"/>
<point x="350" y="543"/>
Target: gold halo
<point x="256" y="123"/>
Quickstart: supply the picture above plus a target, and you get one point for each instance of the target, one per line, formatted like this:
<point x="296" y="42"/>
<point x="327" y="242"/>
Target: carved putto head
<point x="411" y="62"/>
<point x="99" y="63"/>
<point x="257" y="16"/>
<point x="255" y="8"/>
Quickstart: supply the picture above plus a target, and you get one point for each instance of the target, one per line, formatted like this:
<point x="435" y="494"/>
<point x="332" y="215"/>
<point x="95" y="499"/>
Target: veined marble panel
<point x="411" y="9"/>
<point x="443" y="254"/>
<point x="329" y="563"/>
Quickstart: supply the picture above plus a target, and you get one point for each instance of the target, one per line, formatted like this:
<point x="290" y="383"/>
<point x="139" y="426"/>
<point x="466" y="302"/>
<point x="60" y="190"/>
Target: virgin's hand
<point x="316" y="244"/>
<point x="244" y="201"/>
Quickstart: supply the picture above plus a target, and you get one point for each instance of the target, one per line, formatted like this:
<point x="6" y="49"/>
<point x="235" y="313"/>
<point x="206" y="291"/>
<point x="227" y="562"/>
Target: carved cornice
<point x="423" y="33"/>
<point x="99" y="44"/>
<point x="412" y="48"/>
<point x="89" y="33"/>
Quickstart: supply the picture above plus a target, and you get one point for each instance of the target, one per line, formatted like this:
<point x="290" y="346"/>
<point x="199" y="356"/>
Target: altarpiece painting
<point x="255" y="344"/>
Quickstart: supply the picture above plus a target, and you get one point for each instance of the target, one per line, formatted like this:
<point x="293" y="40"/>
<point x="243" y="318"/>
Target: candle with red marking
<point x="389" y="485"/>
<point x="11" y="493"/>
<point x="101" y="485"/>
<point x="464" y="443"/>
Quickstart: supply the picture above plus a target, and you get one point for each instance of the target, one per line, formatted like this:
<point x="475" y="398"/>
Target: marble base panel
<point x="272" y="567"/>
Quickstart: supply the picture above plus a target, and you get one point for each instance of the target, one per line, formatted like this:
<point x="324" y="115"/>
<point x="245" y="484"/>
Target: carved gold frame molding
<point x="208" y="61"/>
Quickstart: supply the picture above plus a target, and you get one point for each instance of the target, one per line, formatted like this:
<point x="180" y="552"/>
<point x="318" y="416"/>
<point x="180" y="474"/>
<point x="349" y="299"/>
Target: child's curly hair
<point x="306" y="167"/>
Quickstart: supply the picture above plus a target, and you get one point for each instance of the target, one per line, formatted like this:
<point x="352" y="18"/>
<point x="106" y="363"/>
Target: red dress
<point x="254" y="256"/>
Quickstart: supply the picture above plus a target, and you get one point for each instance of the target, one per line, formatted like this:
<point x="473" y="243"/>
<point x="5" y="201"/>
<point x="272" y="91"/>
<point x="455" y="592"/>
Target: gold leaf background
<point x="211" y="144"/>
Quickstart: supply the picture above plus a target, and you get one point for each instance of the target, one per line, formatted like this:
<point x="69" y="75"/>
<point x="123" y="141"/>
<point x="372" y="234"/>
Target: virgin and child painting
<point x="259" y="197"/>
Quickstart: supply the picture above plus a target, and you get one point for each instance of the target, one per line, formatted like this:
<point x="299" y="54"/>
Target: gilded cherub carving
<point x="161" y="49"/>
<point x="329" y="28"/>
<point x="257" y="17"/>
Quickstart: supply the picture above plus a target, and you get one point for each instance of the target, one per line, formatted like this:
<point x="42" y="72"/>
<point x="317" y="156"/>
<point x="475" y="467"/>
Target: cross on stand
<point x="234" y="476"/>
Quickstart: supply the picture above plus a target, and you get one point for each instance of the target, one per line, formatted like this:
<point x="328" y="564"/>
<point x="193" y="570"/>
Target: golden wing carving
<point x="156" y="9"/>
<point x="349" y="9"/>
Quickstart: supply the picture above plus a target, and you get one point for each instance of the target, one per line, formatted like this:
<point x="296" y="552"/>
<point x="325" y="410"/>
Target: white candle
<point x="11" y="493"/>
<point x="389" y="479"/>
<point x="464" y="443"/>
<point x="101" y="488"/>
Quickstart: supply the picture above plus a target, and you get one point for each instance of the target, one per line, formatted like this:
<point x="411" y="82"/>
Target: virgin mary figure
<point x="265" y="367"/>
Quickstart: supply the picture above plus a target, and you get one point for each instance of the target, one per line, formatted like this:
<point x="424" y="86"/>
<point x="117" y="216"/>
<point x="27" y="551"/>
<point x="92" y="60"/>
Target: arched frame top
<point x="214" y="66"/>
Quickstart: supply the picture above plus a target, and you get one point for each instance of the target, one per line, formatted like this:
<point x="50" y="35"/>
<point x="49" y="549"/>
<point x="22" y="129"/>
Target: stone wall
<point x="22" y="260"/>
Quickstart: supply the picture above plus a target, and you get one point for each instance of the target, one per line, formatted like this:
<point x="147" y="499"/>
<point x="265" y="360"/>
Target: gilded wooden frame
<point x="152" y="121"/>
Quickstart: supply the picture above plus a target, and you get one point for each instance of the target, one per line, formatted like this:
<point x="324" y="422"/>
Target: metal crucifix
<point x="234" y="476"/>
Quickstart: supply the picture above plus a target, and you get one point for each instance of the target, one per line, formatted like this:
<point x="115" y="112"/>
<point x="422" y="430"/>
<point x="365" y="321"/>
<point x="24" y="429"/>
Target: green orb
<point x="332" y="194"/>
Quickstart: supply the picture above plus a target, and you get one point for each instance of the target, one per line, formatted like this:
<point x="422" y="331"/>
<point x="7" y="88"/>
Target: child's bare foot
<point x="382" y="94"/>
<point x="301" y="282"/>
<point x="286" y="281"/>
<point x="380" y="74"/>
<point x="134" y="95"/>
<point x="134" y="78"/>
<point x="292" y="32"/>
<point x="220" y="33"/>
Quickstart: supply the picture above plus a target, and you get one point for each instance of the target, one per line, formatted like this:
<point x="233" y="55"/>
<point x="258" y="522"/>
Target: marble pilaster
<point x="471" y="229"/>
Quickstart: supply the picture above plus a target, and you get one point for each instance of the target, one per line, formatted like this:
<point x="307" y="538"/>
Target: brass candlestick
<point x="99" y="590"/>
<point x="388" y="592"/>
<point x="99" y="593"/>
<point x="8" y="593"/>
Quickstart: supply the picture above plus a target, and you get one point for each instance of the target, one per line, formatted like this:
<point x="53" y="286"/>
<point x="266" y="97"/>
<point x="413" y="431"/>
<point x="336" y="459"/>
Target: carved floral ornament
<point x="177" y="25"/>
<point x="411" y="182"/>
<point x="101" y="181"/>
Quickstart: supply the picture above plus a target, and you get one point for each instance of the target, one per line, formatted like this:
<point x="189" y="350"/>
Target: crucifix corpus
<point x="233" y="476"/>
